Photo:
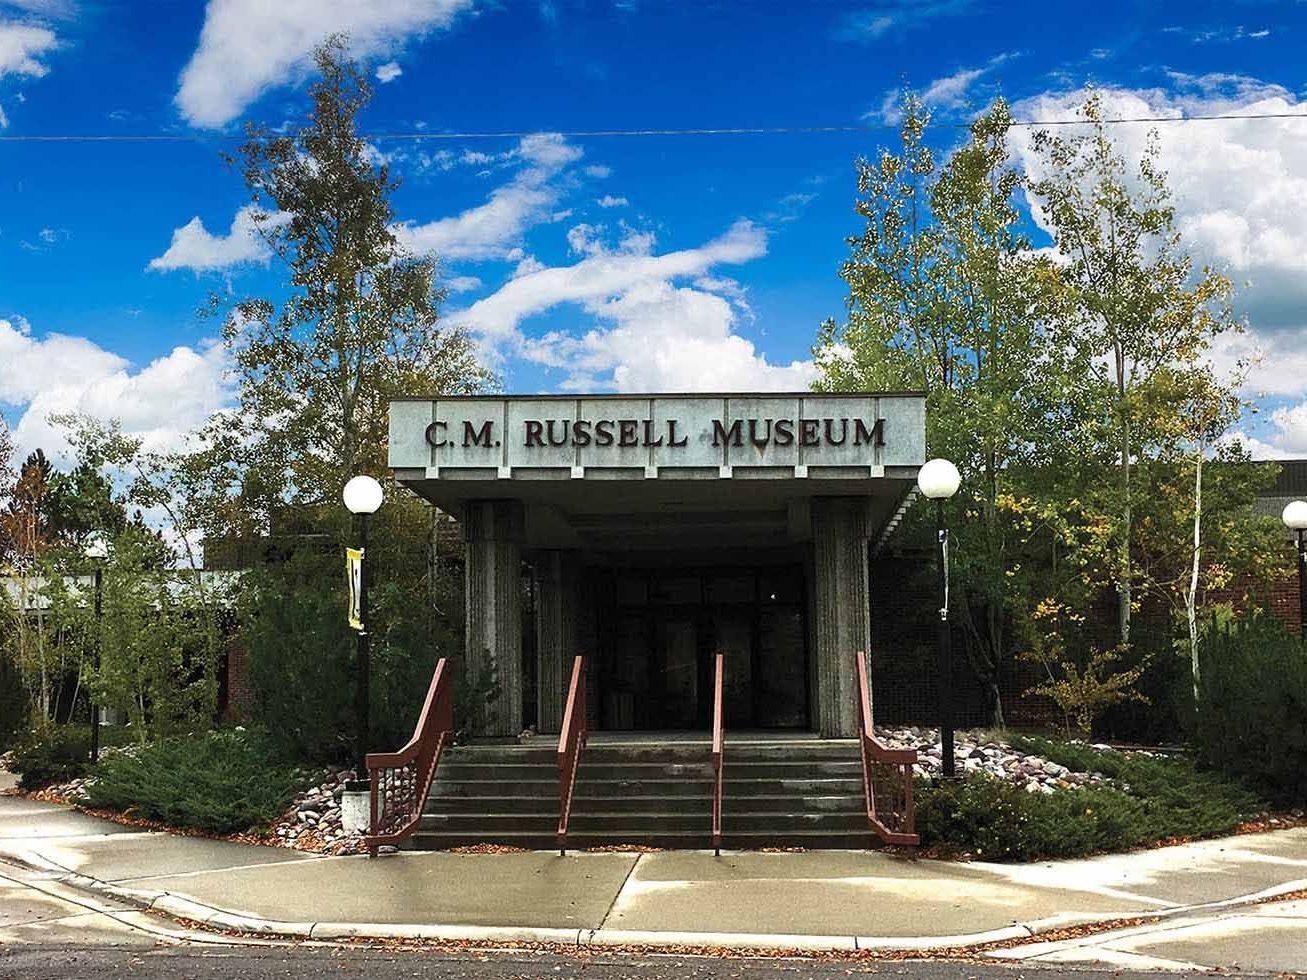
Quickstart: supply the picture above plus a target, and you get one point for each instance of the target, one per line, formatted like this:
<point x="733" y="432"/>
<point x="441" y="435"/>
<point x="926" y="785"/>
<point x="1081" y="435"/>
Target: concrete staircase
<point x="777" y="792"/>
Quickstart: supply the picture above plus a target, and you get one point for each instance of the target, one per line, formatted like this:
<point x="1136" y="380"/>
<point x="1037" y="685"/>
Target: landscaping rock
<point x="996" y="757"/>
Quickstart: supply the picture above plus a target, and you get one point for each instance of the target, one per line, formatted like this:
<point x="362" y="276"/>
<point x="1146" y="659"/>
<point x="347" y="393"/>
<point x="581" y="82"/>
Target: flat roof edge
<point x="611" y="395"/>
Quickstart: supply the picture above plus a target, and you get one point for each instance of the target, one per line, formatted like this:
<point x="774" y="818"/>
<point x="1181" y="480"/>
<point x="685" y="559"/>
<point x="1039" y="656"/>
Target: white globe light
<point x="362" y="495"/>
<point x="95" y="547"/>
<point x="939" y="479"/>
<point x="1295" y="515"/>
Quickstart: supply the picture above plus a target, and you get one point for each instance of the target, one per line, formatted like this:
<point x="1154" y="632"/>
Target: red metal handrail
<point x="571" y="740"/>
<point x="401" y="780"/>
<point x="886" y="775"/>
<point x="718" y="743"/>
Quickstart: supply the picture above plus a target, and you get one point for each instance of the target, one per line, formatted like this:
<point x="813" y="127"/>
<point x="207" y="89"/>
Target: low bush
<point x="1196" y="801"/>
<point x="222" y="782"/>
<point x="54" y="754"/>
<point x="1150" y="799"/>
<point x="1252" y="713"/>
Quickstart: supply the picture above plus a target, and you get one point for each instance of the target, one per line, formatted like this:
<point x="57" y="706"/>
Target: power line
<point x="420" y="136"/>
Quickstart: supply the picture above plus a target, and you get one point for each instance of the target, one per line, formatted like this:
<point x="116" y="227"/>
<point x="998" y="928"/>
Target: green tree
<point x="159" y="639"/>
<point x="317" y="364"/>
<point x="1135" y="308"/>
<point x="359" y="323"/>
<point x="946" y="296"/>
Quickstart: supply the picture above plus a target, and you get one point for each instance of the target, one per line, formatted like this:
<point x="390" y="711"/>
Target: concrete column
<point x="492" y="597"/>
<point x="842" y="624"/>
<point x="558" y="632"/>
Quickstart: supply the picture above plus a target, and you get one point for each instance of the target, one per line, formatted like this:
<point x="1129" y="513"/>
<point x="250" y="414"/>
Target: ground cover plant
<point x="51" y="755"/>
<point x="1149" y="799"/>
<point x="221" y="782"/>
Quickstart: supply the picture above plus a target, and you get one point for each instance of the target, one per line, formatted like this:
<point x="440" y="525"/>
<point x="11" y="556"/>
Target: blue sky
<point x="592" y="262"/>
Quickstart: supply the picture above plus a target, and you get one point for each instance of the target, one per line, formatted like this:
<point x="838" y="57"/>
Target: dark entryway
<point x="659" y="630"/>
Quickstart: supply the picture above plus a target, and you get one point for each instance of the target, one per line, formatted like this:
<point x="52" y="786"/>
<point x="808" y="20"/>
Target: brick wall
<point x="1284" y="601"/>
<point x="235" y="696"/>
<point x="1280" y="598"/>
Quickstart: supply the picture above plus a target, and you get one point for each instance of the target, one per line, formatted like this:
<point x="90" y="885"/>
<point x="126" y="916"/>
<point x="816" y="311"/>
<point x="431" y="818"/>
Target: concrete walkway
<point x="815" y="900"/>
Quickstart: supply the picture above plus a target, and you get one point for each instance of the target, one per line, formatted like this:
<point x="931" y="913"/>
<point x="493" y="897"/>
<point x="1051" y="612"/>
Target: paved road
<point x="45" y="913"/>
<point x="35" y="963"/>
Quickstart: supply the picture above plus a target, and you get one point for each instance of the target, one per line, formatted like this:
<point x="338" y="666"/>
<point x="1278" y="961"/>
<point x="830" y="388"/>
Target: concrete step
<point x="862" y="839"/>
<point x="545" y="749"/>
<point x="443" y="787"/>
<point x="618" y="825"/>
<point x="805" y="793"/>
<point x="646" y="804"/>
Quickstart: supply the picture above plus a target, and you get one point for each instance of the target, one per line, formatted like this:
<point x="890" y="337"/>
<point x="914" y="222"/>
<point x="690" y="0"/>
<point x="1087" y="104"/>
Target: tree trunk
<point x="1191" y="595"/>
<point x="1123" y="587"/>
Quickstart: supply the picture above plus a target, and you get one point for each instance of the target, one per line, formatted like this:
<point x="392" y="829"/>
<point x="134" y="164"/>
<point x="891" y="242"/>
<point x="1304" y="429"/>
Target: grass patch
<point x="1149" y="799"/>
<point x="221" y="782"/>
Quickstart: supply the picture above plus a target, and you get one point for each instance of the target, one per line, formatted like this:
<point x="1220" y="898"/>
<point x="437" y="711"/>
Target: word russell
<point x="628" y="433"/>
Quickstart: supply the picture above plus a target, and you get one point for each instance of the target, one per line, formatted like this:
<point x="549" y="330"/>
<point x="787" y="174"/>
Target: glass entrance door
<point x="662" y="632"/>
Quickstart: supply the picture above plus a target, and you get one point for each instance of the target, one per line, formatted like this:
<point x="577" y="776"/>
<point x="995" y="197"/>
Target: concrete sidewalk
<point x="814" y="900"/>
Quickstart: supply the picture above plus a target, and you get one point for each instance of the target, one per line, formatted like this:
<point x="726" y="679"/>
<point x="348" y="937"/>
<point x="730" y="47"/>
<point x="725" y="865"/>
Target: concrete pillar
<point x="492" y="598"/>
<point x="558" y="632"/>
<point x="842" y="624"/>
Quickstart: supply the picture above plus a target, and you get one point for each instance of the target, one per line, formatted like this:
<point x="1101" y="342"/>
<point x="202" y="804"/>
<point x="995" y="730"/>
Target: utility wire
<point x="419" y="136"/>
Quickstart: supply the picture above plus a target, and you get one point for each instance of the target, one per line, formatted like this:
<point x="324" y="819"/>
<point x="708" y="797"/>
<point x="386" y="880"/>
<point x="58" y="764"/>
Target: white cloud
<point x="1291" y="428"/>
<point x="651" y="333"/>
<point x="29" y="366"/>
<point x="899" y="15"/>
<point x="249" y="46"/>
<point x="1275" y="362"/>
<point x="389" y="72"/>
<point x="1285" y="439"/>
<point x="598" y="171"/>
<point x="461" y="284"/>
<point x="608" y="201"/>
<point x="949" y="92"/>
<point x="1258" y="449"/>
<point x="23" y="45"/>
<point x="584" y="239"/>
<point x="56" y="373"/>
<point x="194" y="247"/>
<point x="1236" y="186"/>
<point x="491" y="230"/>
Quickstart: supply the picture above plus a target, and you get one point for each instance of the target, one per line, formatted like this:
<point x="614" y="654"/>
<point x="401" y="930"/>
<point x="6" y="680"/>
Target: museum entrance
<point x="658" y="632"/>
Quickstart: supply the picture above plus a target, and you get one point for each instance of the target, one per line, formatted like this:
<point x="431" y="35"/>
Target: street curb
<point x="182" y="907"/>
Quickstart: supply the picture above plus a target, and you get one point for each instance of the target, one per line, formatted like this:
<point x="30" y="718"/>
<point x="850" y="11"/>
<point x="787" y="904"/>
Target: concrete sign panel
<point x="751" y="436"/>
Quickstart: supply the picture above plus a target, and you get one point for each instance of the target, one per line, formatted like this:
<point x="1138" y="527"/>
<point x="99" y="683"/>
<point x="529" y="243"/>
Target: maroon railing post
<point x="894" y="823"/>
<point x="718" y="744"/>
<point x="572" y="738"/>
<point x="401" y="780"/>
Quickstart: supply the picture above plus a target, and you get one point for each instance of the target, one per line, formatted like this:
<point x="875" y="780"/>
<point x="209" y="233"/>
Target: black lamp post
<point x="97" y="551"/>
<point x="1295" y="519"/>
<point x="938" y="480"/>
<point x="362" y="496"/>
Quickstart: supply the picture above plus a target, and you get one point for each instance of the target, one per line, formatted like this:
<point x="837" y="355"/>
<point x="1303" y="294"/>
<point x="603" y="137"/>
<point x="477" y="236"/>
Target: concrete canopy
<point x="609" y="482"/>
<point x="714" y="470"/>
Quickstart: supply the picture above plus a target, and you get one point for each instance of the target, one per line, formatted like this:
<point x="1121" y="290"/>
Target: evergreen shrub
<point x="223" y="782"/>
<point x="52" y="754"/>
<point x="1148" y="799"/>
<point x="301" y="652"/>
<point x="1252" y="713"/>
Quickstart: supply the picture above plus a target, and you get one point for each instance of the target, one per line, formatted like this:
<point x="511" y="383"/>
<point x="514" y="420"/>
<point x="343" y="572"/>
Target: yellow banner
<point x="354" y="576"/>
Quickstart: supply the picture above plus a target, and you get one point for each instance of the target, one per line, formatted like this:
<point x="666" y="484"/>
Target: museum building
<point x="661" y="530"/>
